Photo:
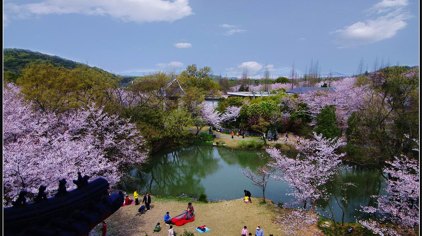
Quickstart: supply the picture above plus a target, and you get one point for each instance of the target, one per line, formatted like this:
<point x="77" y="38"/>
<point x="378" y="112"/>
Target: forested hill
<point x="15" y="60"/>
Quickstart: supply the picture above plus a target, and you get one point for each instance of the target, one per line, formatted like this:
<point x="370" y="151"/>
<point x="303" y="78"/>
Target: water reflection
<point x="349" y="190"/>
<point x="217" y="172"/>
<point x="175" y="172"/>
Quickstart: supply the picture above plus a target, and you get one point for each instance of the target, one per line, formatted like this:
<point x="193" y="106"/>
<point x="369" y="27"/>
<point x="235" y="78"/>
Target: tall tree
<point x="327" y="123"/>
<point x="58" y="89"/>
<point x="400" y="204"/>
<point x="314" y="166"/>
<point x="41" y="147"/>
<point x="260" y="178"/>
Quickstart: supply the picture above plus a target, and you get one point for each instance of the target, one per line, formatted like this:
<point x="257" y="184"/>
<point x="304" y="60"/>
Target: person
<point x="248" y="194"/>
<point x="259" y="231"/>
<point x="157" y="227"/>
<point x="104" y="229"/>
<point x="190" y="211"/>
<point x="246" y="199"/>
<point x="147" y="201"/>
<point x="287" y="136"/>
<point x="135" y="195"/>
<point x="244" y="231"/>
<point x="128" y="201"/>
<point x="232" y="133"/>
<point x="142" y="209"/>
<point x="167" y="218"/>
<point x="171" y="231"/>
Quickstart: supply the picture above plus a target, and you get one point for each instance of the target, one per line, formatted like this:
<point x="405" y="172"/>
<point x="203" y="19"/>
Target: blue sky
<point x="136" y="37"/>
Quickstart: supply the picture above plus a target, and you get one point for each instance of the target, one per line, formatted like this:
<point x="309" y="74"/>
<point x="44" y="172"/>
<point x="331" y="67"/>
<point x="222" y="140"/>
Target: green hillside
<point x="15" y="60"/>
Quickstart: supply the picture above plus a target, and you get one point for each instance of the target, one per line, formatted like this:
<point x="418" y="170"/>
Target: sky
<point x="139" y="37"/>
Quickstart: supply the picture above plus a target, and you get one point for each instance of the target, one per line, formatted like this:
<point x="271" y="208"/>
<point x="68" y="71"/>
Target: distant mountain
<point x="15" y="60"/>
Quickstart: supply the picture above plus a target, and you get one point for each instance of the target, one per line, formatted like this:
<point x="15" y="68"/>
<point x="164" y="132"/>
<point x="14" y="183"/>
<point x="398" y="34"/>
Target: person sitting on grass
<point x="190" y="211"/>
<point x="167" y="218"/>
<point x="157" y="227"/>
<point x="128" y="201"/>
<point x="248" y="195"/>
<point x="142" y="209"/>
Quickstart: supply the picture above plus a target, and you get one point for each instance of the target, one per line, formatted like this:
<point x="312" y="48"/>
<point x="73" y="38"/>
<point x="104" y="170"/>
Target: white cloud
<point x="251" y="67"/>
<point x="256" y="70"/>
<point x="269" y="67"/>
<point x="388" y="4"/>
<point x="183" y="45"/>
<point x="231" y="29"/>
<point x="388" y="19"/>
<point x="126" y="10"/>
<point x="171" y="66"/>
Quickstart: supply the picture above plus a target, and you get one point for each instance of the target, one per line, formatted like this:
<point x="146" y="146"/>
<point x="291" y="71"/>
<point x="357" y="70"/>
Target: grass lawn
<point x="223" y="218"/>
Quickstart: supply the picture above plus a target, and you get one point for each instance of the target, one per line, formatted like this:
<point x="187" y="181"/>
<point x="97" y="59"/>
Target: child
<point x="167" y="218"/>
<point x="157" y="227"/>
<point x="171" y="231"/>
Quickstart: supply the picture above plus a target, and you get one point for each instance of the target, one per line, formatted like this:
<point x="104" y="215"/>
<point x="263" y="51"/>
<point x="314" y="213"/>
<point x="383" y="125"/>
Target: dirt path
<point x="223" y="218"/>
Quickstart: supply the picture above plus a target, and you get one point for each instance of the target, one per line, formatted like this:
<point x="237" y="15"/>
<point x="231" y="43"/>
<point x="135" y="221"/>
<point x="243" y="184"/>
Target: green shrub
<point x="203" y="197"/>
<point x="206" y="137"/>
<point x="251" y="144"/>
<point x="278" y="145"/>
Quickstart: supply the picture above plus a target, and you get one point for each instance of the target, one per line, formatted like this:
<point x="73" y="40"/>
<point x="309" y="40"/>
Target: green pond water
<point x="217" y="172"/>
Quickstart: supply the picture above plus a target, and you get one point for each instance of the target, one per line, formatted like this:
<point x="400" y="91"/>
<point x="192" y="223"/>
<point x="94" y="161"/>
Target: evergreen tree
<point x="327" y="123"/>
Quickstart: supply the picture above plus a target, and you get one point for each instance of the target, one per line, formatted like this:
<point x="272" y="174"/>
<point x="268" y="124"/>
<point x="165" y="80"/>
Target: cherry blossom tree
<point x="400" y="204"/>
<point x="230" y="114"/>
<point x="347" y="97"/>
<point x="40" y="148"/>
<point x="211" y="116"/>
<point x="260" y="178"/>
<point x="315" y="165"/>
<point x="297" y="221"/>
<point x="279" y="86"/>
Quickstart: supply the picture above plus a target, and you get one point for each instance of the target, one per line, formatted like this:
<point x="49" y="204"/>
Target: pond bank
<point x="223" y="218"/>
<point x="239" y="142"/>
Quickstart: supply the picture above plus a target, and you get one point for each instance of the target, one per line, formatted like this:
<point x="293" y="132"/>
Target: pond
<point x="217" y="172"/>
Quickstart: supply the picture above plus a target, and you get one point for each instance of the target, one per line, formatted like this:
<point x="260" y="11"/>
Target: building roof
<point x="300" y="90"/>
<point x="248" y="94"/>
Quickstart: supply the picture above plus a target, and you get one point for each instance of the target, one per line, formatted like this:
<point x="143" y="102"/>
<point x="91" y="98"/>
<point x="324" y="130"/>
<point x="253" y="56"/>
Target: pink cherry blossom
<point x="41" y="148"/>
<point x="314" y="166"/>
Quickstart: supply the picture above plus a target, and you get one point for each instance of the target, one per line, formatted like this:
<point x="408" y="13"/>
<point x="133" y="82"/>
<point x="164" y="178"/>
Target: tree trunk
<point x="263" y="193"/>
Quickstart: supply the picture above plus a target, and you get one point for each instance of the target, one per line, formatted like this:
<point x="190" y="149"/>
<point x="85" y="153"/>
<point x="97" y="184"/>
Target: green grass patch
<point x="251" y="144"/>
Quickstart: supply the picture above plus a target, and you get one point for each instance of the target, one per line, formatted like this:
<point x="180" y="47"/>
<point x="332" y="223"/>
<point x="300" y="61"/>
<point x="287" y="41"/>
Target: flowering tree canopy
<point x="314" y="166"/>
<point x="400" y="204"/>
<point x="231" y="114"/>
<point x="41" y="148"/>
<point x="212" y="117"/>
<point x="346" y="97"/>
